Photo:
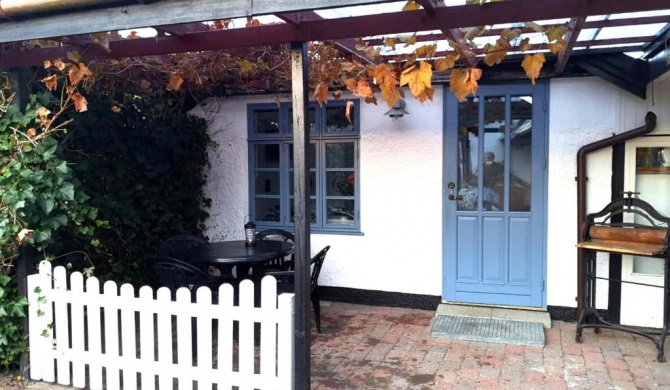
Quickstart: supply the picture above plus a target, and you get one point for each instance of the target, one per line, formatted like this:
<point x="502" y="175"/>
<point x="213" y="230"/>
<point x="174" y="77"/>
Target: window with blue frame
<point x="332" y="158"/>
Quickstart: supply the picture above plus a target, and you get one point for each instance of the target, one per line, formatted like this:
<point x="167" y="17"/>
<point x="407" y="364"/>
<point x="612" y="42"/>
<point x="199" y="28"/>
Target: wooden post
<point x="302" y="215"/>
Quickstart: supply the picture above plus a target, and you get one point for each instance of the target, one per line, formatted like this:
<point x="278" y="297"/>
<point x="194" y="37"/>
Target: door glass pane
<point x="266" y="121"/>
<point x="267" y="209"/>
<point x="521" y="136"/>
<point x="493" y="188"/>
<point x="468" y="146"/>
<point x="652" y="181"/>
<point x="340" y="211"/>
<point x="267" y="155"/>
<point x="337" y="122"/>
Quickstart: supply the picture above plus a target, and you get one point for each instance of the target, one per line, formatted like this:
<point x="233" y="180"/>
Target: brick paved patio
<point x="367" y="347"/>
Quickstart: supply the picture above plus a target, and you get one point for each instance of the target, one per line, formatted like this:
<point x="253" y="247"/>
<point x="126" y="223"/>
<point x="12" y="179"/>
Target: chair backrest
<point x="176" y="246"/>
<point x="276" y="235"/>
<point x="174" y="273"/>
<point x="317" y="263"/>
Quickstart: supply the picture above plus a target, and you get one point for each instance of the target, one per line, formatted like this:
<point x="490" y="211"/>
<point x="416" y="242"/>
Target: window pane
<point x="311" y="155"/>
<point x="340" y="155"/>
<point x="267" y="156"/>
<point x="267" y="209"/>
<point x="521" y="157"/>
<point x="266" y="121"/>
<point x="312" y="183"/>
<point x="340" y="183"/>
<point x="267" y="183"/>
<point x="312" y="119"/>
<point x="312" y="210"/>
<point x="336" y="120"/>
<point x="468" y="155"/>
<point x="493" y="166"/>
<point x="340" y="212"/>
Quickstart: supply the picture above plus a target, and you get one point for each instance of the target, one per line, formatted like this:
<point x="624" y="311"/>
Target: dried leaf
<point x="556" y="33"/>
<point x="409" y="41"/>
<point x="351" y="85"/>
<point x="427" y="51"/>
<point x="496" y="53"/>
<point x="42" y="113"/>
<point x="246" y="67"/>
<point x="116" y="109"/>
<point x="321" y="94"/>
<point x="337" y="95"/>
<point x="446" y="63"/>
<point x="464" y="83"/>
<point x="75" y="75"/>
<point x="145" y="86"/>
<point x="348" y="66"/>
<point x="363" y="89"/>
<point x="80" y="103"/>
<point x="59" y="64"/>
<point x="47" y="64"/>
<point x="101" y="39"/>
<point x="473" y="32"/>
<point x="390" y="43"/>
<point x="524" y="44"/>
<point x="557" y="46"/>
<point x="411" y="5"/>
<point x="349" y="106"/>
<point x="69" y="89"/>
<point x="418" y="79"/>
<point x="74" y="56"/>
<point x="532" y="64"/>
<point x="510" y="34"/>
<point x="175" y="83"/>
<point x="386" y="79"/>
<point x="31" y="132"/>
<point x="251" y="22"/>
<point x="51" y="82"/>
<point x="23" y="234"/>
<point x="534" y="26"/>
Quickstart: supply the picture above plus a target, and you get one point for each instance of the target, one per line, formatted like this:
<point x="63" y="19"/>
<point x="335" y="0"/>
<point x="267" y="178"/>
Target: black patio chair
<point x="286" y="283"/>
<point x="175" y="247"/>
<point x="281" y="263"/>
<point x="174" y="274"/>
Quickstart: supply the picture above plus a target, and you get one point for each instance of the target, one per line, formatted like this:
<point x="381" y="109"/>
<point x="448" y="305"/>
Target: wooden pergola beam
<point x="574" y="28"/>
<point x="454" y="34"/>
<point x="346" y="45"/>
<point x="183" y="29"/>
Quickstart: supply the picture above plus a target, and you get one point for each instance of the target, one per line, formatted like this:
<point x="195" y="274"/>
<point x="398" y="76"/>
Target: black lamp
<point x="398" y="110"/>
<point x="250" y="233"/>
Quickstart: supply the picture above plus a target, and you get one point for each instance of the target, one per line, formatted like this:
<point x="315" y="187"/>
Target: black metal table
<point x="237" y="253"/>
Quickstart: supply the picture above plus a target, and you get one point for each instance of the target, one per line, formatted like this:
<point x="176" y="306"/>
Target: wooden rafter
<point x="454" y="34"/>
<point x="574" y="28"/>
<point x="183" y="29"/>
<point x="346" y="45"/>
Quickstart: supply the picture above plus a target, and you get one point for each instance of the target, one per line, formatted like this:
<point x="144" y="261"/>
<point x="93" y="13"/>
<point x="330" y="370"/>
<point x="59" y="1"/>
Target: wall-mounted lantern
<point x="398" y="110"/>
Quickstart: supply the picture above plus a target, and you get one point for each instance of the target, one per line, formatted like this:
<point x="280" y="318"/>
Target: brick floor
<point x="366" y="347"/>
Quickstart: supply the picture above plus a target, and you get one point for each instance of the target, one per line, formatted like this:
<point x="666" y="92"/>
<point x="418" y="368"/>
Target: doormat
<point x="488" y="330"/>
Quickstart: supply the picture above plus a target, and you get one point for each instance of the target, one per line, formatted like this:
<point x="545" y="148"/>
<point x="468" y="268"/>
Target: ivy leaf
<point x="46" y="148"/>
<point x="80" y="103"/>
<point x="66" y="191"/>
<point x="46" y="205"/>
<point x="321" y="94"/>
<point x="532" y="64"/>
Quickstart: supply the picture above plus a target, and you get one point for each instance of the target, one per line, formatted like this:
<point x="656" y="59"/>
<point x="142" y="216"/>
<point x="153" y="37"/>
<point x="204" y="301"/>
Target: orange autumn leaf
<point x="349" y="106"/>
<point x="427" y="51"/>
<point x="47" y="64"/>
<point x="43" y="114"/>
<point x="80" y="103"/>
<point x="363" y="89"/>
<point x="495" y="54"/>
<point x="446" y="63"/>
<point x="411" y="5"/>
<point x="69" y="89"/>
<point x="351" y="85"/>
<point x="31" y="132"/>
<point x="51" y="82"/>
<point x="76" y="73"/>
<point x="418" y="79"/>
<point x="524" y="44"/>
<point x="532" y="64"/>
<point x="175" y="83"/>
<point x="410" y="41"/>
<point x="386" y="79"/>
<point x="321" y="94"/>
<point x="464" y="83"/>
<point x="59" y="64"/>
<point x="557" y="46"/>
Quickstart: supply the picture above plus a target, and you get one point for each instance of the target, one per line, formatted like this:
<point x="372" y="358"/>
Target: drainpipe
<point x="17" y="9"/>
<point x="650" y="124"/>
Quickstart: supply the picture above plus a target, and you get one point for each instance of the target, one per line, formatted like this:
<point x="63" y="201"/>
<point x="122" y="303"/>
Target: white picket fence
<point x="128" y="342"/>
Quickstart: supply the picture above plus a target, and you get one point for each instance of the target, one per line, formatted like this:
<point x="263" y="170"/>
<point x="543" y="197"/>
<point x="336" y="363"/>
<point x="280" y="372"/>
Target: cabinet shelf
<point x="653" y="170"/>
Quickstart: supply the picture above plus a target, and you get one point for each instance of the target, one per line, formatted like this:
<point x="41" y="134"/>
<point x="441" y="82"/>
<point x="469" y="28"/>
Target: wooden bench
<point x="647" y="235"/>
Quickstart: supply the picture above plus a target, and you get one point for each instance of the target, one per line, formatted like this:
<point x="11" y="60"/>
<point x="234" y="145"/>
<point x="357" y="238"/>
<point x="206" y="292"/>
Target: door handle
<point x="453" y="196"/>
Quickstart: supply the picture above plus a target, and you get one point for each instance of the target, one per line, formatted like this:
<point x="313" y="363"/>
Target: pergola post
<point x="301" y="215"/>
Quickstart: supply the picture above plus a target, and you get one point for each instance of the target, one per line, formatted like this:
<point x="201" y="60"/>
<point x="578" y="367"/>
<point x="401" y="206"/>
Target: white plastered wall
<point x="400" y="248"/>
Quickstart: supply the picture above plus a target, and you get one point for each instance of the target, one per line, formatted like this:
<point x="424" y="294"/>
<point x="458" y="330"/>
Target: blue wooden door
<point x="494" y="196"/>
